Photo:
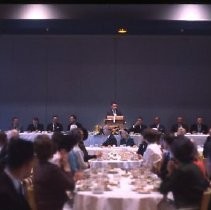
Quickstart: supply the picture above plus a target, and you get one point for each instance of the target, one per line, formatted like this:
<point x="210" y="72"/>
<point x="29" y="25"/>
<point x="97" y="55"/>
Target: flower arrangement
<point x="114" y="156"/>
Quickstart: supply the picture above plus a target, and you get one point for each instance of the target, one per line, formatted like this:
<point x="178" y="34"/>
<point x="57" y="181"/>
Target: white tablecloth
<point x="198" y="139"/>
<point x="123" y="198"/>
<point x="94" y="150"/>
<point x="129" y="164"/>
<point x="31" y="136"/>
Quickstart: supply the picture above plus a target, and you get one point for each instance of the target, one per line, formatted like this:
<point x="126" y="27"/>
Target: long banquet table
<point x="97" y="140"/>
<point x="198" y="139"/>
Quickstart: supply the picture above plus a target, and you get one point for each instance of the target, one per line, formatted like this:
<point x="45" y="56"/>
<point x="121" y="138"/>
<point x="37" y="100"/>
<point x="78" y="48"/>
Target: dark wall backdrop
<point x="42" y="75"/>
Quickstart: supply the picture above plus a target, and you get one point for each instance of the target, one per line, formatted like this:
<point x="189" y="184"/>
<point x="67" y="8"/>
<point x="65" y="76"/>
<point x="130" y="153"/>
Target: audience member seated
<point x="56" y="139"/>
<point x="199" y="126"/>
<point x="55" y="126"/>
<point x="35" y="125"/>
<point x="110" y="140"/>
<point x="76" y="155"/>
<point x="50" y="181"/>
<point x="114" y="110"/>
<point x="185" y="180"/>
<point x="142" y="147"/>
<point x="156" y="125"/>
<point x="125" y="138"/>
<point x="167" y="141"/>
<point x="83" y="148"/>
<point x="3" y="149"/>
<point x="153" y="154"/>
<point x="15" y="124"/>
<point x="138" y="126"/>
<point x="207" y="153"/>
<point x="198" y="160"/>
<point x="19" y="164"/>
<point x="179" y="124"/>
<point x="73" y="123"/>
<point x="62" y="146"/>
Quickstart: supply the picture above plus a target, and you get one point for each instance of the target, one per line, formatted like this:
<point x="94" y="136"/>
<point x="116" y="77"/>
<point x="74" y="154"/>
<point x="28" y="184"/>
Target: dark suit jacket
<point x="129" y="142"/>
<point x="187" y="184"/>
<point x="194" y="128"/>
<point x="174" y="127"/>
<point x="86" y="155"/>
<point x="57" y="128"/>
<point x="31" y="127"/>
<point x="111" y="140"/>
<point x="118" y="112"/>
<point x="9" y="197"/>
<point x="77" y="124"/>
<point x="142" y="148"/>
<point x="50" y="186"/>
<point x="19" y="128"/>
<point x="138" y="129"/>
<point x="161" y="128"/>
<point x="207" y="148"/>
<point x="3" y="155"/>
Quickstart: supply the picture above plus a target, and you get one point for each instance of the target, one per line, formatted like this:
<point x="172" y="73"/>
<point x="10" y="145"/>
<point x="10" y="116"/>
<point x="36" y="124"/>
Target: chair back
<point x="29" y="192"/>
<point x="205" y="199"/>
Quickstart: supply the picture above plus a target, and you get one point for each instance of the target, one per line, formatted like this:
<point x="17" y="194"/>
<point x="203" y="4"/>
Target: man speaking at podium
<point x="114" y="118"/>
<point x="114" y="110"/>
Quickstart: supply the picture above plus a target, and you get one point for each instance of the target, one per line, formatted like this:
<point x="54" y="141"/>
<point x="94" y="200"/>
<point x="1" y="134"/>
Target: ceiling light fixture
<point x="122" y="31"/>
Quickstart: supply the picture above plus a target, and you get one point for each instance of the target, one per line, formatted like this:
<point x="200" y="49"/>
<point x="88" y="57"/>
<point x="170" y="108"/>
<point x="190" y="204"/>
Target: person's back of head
<point x="169" y="138"/>
<point x="183" y="149"/>
<point x="19" y="153"/>
<point x="68" y="142"/>
<point x="150" y="135"/>
<point x="43" y="147"/>
<point x="76" y="135"/>
<point x="56" y="139"/>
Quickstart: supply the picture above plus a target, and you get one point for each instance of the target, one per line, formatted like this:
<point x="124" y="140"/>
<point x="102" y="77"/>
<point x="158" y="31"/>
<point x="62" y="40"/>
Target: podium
<point x="115" y="122"/>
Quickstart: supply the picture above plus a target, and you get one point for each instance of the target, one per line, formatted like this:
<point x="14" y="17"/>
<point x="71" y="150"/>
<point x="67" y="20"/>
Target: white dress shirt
<point x="152" y="155"/>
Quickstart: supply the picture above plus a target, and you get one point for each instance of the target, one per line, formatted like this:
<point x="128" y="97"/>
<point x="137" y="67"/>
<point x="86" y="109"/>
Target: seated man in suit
<point x="179" y="124"/>
<point x="110" y="140"/>
<point x="35" y="125"/>
<point x="138" y="126"/>
<point x="199" y="126"/>
<point x="73" y="123"/>
<point x="114" y="110"/>
<point x="55" y="126"/>
<point x="20" y="156"/>
<point x="125" y="138"/>
<point x="156" y="125"/>
<point x="16" y="124"/>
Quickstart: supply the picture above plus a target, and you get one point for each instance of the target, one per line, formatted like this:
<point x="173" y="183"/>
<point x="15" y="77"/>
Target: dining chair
<point x="29" y="192"/>
<point x="206" y="199"/>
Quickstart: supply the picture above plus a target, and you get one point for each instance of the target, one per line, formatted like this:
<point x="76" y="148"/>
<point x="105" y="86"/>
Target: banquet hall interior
<point x="64" y="59"/>
<point x="66" y="65"/>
